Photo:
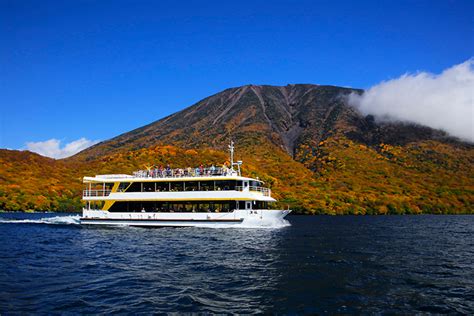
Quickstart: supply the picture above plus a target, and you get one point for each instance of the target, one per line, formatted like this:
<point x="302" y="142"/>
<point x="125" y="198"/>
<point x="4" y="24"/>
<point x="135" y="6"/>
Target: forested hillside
<point x="319" y="155"/>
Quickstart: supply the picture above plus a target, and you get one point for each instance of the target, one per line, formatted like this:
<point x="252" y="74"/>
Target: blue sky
<point x="96" y="69"/>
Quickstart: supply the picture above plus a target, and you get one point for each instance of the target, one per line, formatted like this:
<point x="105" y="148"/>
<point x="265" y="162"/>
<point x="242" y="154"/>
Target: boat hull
<point x="242" y="218"/>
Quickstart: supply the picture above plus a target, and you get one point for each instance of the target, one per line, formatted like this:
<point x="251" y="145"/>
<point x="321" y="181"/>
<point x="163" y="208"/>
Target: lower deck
<point x="235" y="217"/>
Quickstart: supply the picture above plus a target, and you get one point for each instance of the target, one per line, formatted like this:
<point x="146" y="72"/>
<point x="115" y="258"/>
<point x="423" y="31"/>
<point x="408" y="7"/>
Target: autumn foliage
<point x="334" y="176"/>
<point x="317" y="154"/>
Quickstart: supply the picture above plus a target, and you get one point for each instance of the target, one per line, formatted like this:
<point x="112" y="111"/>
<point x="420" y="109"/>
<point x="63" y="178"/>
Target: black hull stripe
<point x="161" y="220"/>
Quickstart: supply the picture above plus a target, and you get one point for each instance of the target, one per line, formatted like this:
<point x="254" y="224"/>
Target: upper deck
<point x="177" y="184"/>
<point x="169" y="174"/>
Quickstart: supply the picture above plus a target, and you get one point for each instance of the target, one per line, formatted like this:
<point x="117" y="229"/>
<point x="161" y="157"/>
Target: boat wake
<point x="56" y="220"/>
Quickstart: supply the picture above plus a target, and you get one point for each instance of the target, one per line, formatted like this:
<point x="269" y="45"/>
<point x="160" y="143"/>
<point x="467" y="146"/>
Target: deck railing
<point x="186" y="172"/>
<point x="264" y="191"/>
<point x="95" y="193"/>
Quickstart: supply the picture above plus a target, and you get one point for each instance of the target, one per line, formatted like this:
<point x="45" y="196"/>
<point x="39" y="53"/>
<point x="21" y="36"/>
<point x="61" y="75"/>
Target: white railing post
<point x="96" y="193"/>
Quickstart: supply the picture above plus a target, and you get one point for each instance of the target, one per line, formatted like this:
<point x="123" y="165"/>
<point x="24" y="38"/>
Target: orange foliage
<point x="335" y="176"/>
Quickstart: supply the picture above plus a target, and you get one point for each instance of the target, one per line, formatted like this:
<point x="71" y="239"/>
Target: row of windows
<point x="176" y="186"/>
<point x="217" y="206"/>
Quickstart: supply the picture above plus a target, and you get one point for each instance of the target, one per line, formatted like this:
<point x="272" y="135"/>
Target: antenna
<point x="232" y="163"/>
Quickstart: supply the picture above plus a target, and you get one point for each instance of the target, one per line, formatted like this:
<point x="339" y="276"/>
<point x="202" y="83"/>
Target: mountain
<point x="29" y="181"/>
<point x="286" y="116"/>
<point x="318" y="154"/>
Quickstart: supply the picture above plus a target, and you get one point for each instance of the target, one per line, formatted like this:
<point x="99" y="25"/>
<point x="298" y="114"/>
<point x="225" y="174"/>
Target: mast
<point x="231" y="149"/>
<point x="232" y="163"/>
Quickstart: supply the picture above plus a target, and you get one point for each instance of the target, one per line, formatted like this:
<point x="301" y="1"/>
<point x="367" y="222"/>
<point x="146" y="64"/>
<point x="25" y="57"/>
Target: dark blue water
<point x="320" y="264"/>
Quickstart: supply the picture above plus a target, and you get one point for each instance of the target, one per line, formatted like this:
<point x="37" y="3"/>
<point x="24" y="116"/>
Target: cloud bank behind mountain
<point x="443" y="101"/>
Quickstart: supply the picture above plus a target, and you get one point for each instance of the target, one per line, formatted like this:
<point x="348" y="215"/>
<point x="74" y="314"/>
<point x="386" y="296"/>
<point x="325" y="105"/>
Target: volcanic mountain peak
<point x="284" y="115"/>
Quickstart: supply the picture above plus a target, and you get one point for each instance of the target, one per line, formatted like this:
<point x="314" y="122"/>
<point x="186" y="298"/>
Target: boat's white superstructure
<point x="179" y="197"/>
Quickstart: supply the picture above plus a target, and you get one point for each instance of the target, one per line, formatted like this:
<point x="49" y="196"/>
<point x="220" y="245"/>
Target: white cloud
<point x="444" y="101"/>
<point x="52" y="148"/>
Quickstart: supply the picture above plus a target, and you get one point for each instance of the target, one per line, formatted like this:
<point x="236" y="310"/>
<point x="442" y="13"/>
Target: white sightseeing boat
<point x="180" y="197"/>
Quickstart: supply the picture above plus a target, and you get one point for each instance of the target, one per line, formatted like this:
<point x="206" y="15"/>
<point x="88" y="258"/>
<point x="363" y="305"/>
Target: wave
<point x="56" y="220"/>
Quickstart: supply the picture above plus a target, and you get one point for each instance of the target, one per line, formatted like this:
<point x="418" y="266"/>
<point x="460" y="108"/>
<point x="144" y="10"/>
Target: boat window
<point x="203" y="207"/>
<point x="95" y="205"/>
<point x="191" y="186"/>
<point x="207" y="185"/>
<point x="178" y="207"/>
<point x="135" y="187"/>
<point x="189" y="207"/>
<point x="261" y="205"/>
<point x="254" y="183"/>
<point x="162" y="186"/>
<point x="220" y="207"/>
<point x="225" y="185"/>
<point x="148" y="187"/>
<point x="177" y="186"/>
<point x="164" y="206"/>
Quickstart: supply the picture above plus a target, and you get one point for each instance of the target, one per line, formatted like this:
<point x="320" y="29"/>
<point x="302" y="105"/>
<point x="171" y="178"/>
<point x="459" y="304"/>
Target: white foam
<point x="248" y="223"/>
<point x="274" y="223"/>
<point x="57" y="220"/>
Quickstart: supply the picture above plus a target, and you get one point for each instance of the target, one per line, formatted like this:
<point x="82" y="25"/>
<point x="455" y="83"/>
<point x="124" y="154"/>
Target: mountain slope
<point x="29" y="181"/>
<point x="318" y="154"/>
<point x="286" y="116"/>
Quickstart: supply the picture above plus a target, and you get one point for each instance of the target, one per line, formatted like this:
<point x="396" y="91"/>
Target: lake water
<point x="323" y="264"/>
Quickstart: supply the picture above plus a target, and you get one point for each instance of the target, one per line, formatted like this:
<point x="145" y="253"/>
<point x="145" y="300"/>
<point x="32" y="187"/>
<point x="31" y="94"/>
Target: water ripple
<point x="333" y="265"/>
